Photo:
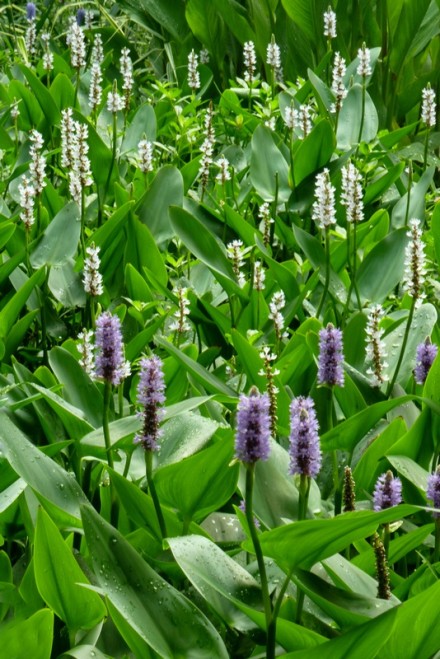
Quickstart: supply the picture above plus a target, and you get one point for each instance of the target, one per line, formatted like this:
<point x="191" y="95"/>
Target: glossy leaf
<point x="41" y="473"/>
<point x="269" y="169"/>
<point x="59" y="576"/>
<point x="216" y="481"/>
<point x="159" y="614"/>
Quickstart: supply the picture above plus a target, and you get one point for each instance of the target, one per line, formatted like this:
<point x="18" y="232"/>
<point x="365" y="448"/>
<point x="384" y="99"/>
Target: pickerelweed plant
<point x="220" y="237"/>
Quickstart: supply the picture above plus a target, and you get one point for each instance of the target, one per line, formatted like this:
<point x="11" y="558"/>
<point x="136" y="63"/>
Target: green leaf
<point x="425" y="317"/>
<point x="58" y="576"/>
<point x="268" y="166"/>
<point x="382" y="268"/>
<point x="348" y="433"/>
<point x="170" y="16"/>
<point x="73" y="418"/>
<point x="417" y="201"/>
<point x="12" y="308"/>
<point x="42" y="474"/>
<point x="184" y="434"/>
<point x="142" y="126"/>
<point x="216" y="481"/>
<point x="346" y="607"/>
<point x="78" y="388"/>
<point x="140" y="509"/>
<point x="411" y="16"/>
<point x="60" y="240"/>
<point x="235" y="17"/>
<point x="66" y="285"/>
<point x="369" y="466"/>
<point x="211" y="382"/>
<point x="380" y="185"/>
<point x="157" y="612"/>
<point x="166" y="190"/>
<point x="323" y="537"/>
<point x="42" y="94"/>
<point x="315" y="252"/>
<point x="205" y="24"/>
<point x="201" y="242"/>
<point x="32" y="637"/>
<point x="217" y="577"/>
<point x="314" y="151"/>
<point x="349" y="123"/>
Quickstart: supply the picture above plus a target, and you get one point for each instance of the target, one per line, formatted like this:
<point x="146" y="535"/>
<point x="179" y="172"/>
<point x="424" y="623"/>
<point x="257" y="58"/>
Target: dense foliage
<point x="219" y="382"/>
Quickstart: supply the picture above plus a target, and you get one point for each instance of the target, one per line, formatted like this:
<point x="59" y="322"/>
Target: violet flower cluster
<point x="433" y="490"/>
<point x="387" y="491"/>
<point x="330" y="361"/>
<point x="305" y="453"/>
<point x="252" y="439"/>
<point x="425" y="355"/>
<point x="150" y="394"/>
<point x="110" y="363"/>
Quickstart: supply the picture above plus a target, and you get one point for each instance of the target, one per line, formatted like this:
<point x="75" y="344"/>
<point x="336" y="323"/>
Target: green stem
<point x="105" y="423"/>
<point x="386" y="538"/>
<point x="361" y="128"/>
<point x="437" y="540"/>
<point x="425" y="153"/>
<point x="327" y="270"/>
<point x="114" y="142"/>
<point x="152" y="490"/>
<point x="83" y="216"/>
<point x="354" y="269"/>
<point x="270" y="622"/>
<point x="304" y="489"/>
<point x="402" y="349"/>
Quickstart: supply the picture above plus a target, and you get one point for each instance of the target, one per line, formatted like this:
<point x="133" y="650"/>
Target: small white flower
<point x="27" y="202"/>
<point x="330" y="24"/>
<point x="250" y="61"/>
<point x="145" y="155"/>
<point x="77" y="44"/>
<point x="289" y="117"/>
<point x="38" y="163"/>
<point x="259" y="276"/>
<point x="364" y="67"/>
<point x="67" y="137"/>
<point x="235" y="252"/>
<point x="323" y="210"/>
<point x="204" y="56"/>
<point x="97" y="50"/>
<point x="48" y="61"/>
<point x="351" y="196"/>
<point x="277" y="303"/>
<point x="115" y="102"/>
<point x="95" y="90"/>
<point x="92" y="278"/>
<point x="180" y="324"/>
<point x="224" y="173"/>
<point x="127" y="75"/>
<point x="265" y="221"/>
<point x="428" y="114"/>
<point x="338" y="86"/>
<point x="415" y="263"/>
<point x="375" y="349"/>
<point x="87" y="351"/>
<point x="193" y="74"/>
<point x="302" y="119"/>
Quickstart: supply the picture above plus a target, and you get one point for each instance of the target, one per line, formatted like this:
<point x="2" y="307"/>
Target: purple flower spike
<point x="330" y="357"/>
<point x="305" y="454"/>
<point x="150" y="394"/>
<point x="426" y="353"/>
<point x="433" y="490"/>
<point x="253" y="427"/>
<point x="31" y="11"/>
<point x="80" y="16"/>
<point x="387" y="492"/>
<point x="110" y="364"/>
